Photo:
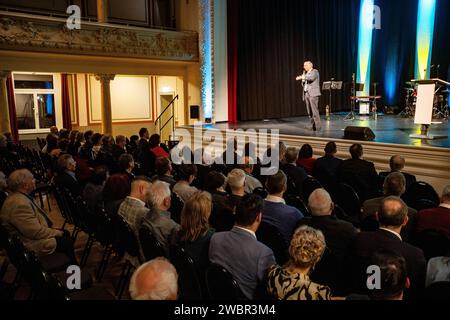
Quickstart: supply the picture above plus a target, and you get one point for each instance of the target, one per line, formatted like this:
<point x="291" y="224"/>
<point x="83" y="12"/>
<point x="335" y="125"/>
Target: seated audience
<point x="339" y="234"/>
<point x="195" y="233"/>
<point x="251" y="183"/>
<point x="394" y="185"/>
<point x="154" y="144"/>
<point x="163" y="169"/>
<point x="155" y="280"/>
<point x="119" y="148"/>
<point x="126" y="166"/>
<point x="294" y="173"/>
<point x="222" y="215"/>
<point x="292" y="281"/>
<point x="325" y="168"/>
<point x="247" y="263"/>
<point x="275" y="212"/>
<point x="236" y="183"/>
<point x="306" y="159"/>
<point x="116" y="189"/>
<point x="394" y="276"/>
<point x="22" y="217"/>
<point x="397" y="164"/>
<point x="5" y="152"/>
<point x="133" y="209"/>
<point x="93" y="192"/>
<point x="359" y="174"/>
<point x="162" y="197"/>
<point x="230" y="158"/>
<point x="97" y="143"/>
<point x="132" y="144"/>
<point x="74" y="145"/>
<point x="183" y="187"/>
<point x="437" y="218"/>
<point x="162" y="227"/>
<point x="393" y="217"/>
<point x="66" y="178"/>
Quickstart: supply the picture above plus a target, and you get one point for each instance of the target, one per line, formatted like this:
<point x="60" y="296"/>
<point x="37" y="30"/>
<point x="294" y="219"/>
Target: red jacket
<point x="435" y="219"/>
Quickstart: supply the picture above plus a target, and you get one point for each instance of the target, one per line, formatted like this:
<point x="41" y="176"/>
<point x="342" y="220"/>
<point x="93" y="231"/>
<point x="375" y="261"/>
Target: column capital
<point x="104" y="78"/>
<point x="4" y="74"/>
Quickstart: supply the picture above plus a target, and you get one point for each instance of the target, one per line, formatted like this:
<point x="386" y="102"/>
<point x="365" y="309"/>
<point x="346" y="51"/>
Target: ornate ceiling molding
<point x="34" y="33"/>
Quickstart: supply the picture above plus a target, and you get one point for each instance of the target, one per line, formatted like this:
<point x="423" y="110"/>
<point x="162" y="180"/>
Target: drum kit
<point x="441" y="107"/>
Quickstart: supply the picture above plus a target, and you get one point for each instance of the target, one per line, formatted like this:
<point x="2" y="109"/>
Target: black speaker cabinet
<point x="359" y="133"/>
<point x="195" y="112"/>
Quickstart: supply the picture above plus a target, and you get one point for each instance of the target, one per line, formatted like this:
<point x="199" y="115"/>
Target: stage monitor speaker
<point x="359" y="133"/>
<point x="195" y="112"/>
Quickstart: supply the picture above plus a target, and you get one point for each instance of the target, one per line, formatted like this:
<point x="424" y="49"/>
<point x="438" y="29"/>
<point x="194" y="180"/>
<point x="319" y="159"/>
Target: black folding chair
<point x="348" y="200"/>
<point x="309" y="185"/>
<point x="176" y="207"/>
<point x="221" y="284"/>
<point x="418" y="192"/>
<point x="151" y="247"/>
<point x="271" y="237"/>
<point x="188" y="278"/>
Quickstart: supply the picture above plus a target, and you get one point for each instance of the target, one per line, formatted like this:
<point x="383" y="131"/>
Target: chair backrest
<point x="105" y="228"/>
<point x="125" y="238"/>
<point x="176" y="207"/>
<point x="151" y="247"/>
<point x="433" y="243"/>
<point x="188" y="279"/>
<point x="261" y="192"/>
<point x="309" y="185"/>
<point x="62" y="204"/>
<point x="15" y="251"/>
<point x="348" y="200"/>
<point x="420" y="191"/>
<point x="221" y="284"/>
<point x="297" y="202"/>
<point x="271" y="237"/>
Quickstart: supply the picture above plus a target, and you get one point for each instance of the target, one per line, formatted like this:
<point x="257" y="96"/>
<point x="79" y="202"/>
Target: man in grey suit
<point x="311" y="93"/>
<point x="239" y="251"/>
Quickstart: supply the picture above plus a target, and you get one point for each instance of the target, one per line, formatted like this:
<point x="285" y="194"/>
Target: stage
<point x="389" y="129"/>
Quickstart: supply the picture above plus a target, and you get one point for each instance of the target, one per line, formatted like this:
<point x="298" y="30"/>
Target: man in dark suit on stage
<point x="311" y="93"/>
<point x="393" y="216"/>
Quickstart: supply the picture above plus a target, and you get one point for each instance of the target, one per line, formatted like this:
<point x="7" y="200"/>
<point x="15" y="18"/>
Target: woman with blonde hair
<point x="292" y="282"/>
<point x="195" y="233"/>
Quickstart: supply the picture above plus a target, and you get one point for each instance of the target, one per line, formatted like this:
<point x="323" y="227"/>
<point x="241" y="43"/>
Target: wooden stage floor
<point x="389" y="129"/>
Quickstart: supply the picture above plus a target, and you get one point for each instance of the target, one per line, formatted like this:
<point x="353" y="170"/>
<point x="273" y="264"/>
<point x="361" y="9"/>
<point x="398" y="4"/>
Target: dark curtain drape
<point x="233" y="27"/>
<point x="441" y="46"/>
<point x="65" y="94"/>
<point x="12" y="109"/>
<point x="394" y="48"/>
<point x="276" y="37"/>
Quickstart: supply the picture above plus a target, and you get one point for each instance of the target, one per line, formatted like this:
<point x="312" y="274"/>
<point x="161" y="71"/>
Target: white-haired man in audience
<point x="251" y="183"/>
<point x="21" y="216"/>
<point x="162" y="197"/>
<point x="236" y="182"/>
<point x="155" y="280"/>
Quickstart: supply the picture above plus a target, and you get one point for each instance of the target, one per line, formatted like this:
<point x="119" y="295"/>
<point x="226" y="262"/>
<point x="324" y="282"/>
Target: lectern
<point x="424" y="106"/>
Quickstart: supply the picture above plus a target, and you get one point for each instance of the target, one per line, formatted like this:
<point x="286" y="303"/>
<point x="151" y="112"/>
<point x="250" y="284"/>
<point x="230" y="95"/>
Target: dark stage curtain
<point x="12" y="110"/>
<point x="67" y="121"/>
<point x="276" y="37"/>
<point x="441" y="47"/>
<point x="393" y="50"/>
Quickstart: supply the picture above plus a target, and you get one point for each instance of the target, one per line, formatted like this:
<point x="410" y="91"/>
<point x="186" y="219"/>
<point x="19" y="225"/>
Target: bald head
<point x="320" y="203"/>
<point x="397" y="163"/>
<point x="393" y="213"/>
<point x="154" y="280"/>
<point x="140" y="187"/>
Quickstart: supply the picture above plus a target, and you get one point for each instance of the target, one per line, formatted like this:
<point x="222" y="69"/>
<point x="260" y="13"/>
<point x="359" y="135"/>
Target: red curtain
<point x="233" y="42"/>
<point x="67" y="121"/>
<point x="12" y="110"/>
